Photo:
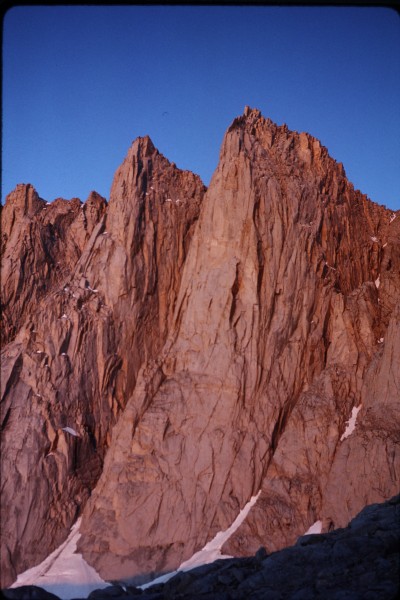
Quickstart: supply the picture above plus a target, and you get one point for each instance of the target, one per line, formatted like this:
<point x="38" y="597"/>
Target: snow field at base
<point x="66" y="574"/>
<point x="212" y="550"/>
<point x="351" y="423"/>
<point x="315" y="528"/>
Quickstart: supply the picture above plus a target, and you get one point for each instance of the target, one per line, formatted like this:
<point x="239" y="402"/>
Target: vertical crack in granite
<point x="205" y="345"/>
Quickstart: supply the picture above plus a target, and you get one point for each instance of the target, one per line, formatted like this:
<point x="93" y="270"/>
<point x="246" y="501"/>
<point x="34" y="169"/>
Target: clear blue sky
<point x="80" y="83"/>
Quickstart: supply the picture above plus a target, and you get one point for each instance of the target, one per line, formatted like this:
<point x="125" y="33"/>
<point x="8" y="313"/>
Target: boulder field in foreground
<point x="179" y="350"/>
<point x="359" y="562"/>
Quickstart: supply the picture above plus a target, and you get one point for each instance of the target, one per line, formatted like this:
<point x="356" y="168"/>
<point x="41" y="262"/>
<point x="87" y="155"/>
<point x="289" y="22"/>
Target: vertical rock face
<point x="203" y="345"/>
<point x="275" y="333"/>
<point x="41" y="243"/>
<point x="153" y="208"/>
<point x="84" y="329"/>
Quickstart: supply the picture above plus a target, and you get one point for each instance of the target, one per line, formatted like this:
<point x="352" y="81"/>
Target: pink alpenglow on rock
<point x="204" y="351"/>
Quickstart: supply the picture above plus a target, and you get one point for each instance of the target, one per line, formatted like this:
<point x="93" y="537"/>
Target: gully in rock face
<point x="214" y="347"/>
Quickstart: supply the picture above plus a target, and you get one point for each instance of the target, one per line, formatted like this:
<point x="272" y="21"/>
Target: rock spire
<point x="205" y="346"/>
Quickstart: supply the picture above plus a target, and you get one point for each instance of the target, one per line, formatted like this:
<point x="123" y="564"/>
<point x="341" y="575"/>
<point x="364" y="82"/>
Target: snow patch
<point x="351" y="423"/>
<point x="64" y="572"/>
<point x="212" y="550"/>
<point x="315" y="528"/>
<point x="70" y="430"/>
<point x="378" y="281"/>
<point x="392" y="218"/>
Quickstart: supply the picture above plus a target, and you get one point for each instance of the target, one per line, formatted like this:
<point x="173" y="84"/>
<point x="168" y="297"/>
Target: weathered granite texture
<point x="200" y="346"/>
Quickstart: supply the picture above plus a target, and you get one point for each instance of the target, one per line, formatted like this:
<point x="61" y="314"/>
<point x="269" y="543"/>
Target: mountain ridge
<point x="207" y="328"/>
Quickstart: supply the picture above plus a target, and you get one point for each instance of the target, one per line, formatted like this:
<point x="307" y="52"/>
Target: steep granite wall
<point x="278" y="326"/>
<point x="174" y="352"/>
<point x="89" y="293"/>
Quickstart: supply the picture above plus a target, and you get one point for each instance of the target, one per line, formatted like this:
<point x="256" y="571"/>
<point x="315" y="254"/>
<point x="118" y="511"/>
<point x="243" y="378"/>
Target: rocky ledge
<point x="359" y="562"/>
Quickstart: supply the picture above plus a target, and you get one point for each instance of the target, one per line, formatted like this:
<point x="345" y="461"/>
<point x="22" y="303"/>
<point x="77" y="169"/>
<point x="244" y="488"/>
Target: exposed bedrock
<point x="279" y="330"/>
<point x="89" y="291"/>
<point x="171" y="353"/>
